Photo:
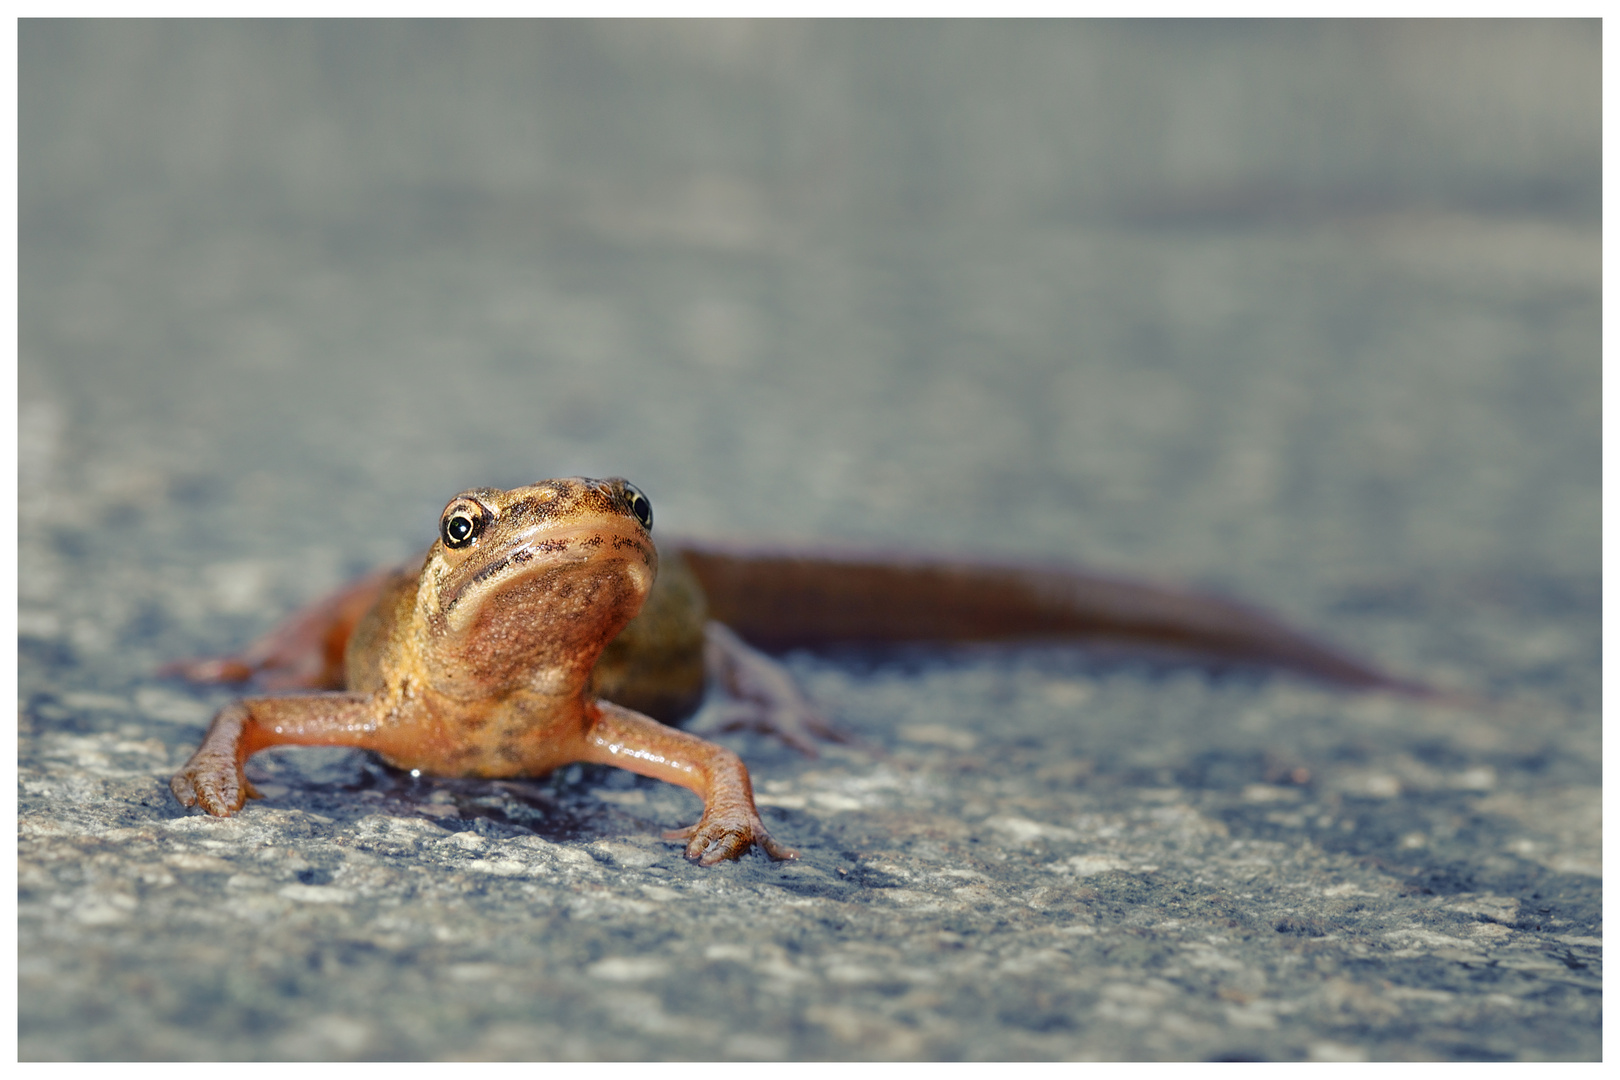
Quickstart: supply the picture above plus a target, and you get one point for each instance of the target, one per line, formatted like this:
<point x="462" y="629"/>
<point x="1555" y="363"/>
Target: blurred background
<point x="1285" y="307"/>
<point x="1308" y="312"/>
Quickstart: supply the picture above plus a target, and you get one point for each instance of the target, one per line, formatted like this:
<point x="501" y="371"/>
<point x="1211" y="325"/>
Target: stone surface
<point x="1307" y="313"/>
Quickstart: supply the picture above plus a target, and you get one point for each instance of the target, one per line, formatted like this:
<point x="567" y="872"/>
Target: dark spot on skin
<point x="552" y="545"/>
<point x="593" y="542"/>
<point x="491" y="570"/>
<point x="532" y="508"/>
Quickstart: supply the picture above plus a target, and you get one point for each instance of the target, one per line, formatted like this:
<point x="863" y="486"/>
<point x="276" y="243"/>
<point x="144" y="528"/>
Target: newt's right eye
<point x="460" y="526"/>
<point x="639" y="505"/>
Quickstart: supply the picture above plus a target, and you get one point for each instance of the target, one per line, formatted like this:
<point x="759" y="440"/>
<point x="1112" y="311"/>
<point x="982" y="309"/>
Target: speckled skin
<point x="481" y="665"/>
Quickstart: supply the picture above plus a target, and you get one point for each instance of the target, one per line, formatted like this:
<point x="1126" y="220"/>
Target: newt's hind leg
<point x="764" y="696"/>
<point x="304" y="652"/>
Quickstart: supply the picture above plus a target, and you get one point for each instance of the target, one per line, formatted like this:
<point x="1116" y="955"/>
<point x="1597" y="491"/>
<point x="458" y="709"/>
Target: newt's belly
<point x="522" y="736"/>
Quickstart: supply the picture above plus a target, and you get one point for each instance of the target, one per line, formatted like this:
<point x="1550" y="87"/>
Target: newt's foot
<point x="765" y="697"/>
<point x="209" y="669"/>
<point x="289" y="673"/>
<point x="213" y="782"/>
<point x="726" y="835"/>
<point x="799" y="724"/>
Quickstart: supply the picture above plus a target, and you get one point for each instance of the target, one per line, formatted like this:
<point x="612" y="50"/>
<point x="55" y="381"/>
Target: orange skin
<point x="481" y="664"/>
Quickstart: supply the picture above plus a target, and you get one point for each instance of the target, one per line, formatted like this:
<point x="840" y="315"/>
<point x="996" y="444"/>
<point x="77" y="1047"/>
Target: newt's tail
<point x="784" y="601"/>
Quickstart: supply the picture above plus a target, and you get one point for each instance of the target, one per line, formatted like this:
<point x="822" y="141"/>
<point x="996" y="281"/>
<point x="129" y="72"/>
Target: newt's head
<point x="526" y="587"/>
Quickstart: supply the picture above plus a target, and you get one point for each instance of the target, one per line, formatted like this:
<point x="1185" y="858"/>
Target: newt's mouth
<point x="612" y="542"/>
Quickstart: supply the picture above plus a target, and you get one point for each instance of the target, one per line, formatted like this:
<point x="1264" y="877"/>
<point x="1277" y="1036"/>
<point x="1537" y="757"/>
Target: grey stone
<point x="1308" y="313"/>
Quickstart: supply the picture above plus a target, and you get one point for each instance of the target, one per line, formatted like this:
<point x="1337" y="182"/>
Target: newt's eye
<point x="639" y="505"/>
<point x="461" y="527"/>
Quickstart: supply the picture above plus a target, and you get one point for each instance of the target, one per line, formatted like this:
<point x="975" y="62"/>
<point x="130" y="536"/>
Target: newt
<point x="544" y="627"/>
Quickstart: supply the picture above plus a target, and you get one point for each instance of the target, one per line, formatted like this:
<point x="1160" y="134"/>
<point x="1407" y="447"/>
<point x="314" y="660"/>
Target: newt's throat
<point x="541" y="625"/>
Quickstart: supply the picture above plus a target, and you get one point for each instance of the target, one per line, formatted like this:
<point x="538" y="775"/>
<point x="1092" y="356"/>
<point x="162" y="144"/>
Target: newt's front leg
<point x="730" y="823"/>
<point x="213" y="778"/>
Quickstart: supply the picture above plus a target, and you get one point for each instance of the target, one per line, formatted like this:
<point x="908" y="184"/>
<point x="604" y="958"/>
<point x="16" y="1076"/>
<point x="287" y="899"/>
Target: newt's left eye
<point x="639" y="505"/>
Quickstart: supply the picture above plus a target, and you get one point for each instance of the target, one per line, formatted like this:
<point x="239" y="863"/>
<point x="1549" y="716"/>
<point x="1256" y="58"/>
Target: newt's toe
<point x="775" y="850"/>
<point x="183" y="790"/>
<point x="220" y="789"/>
